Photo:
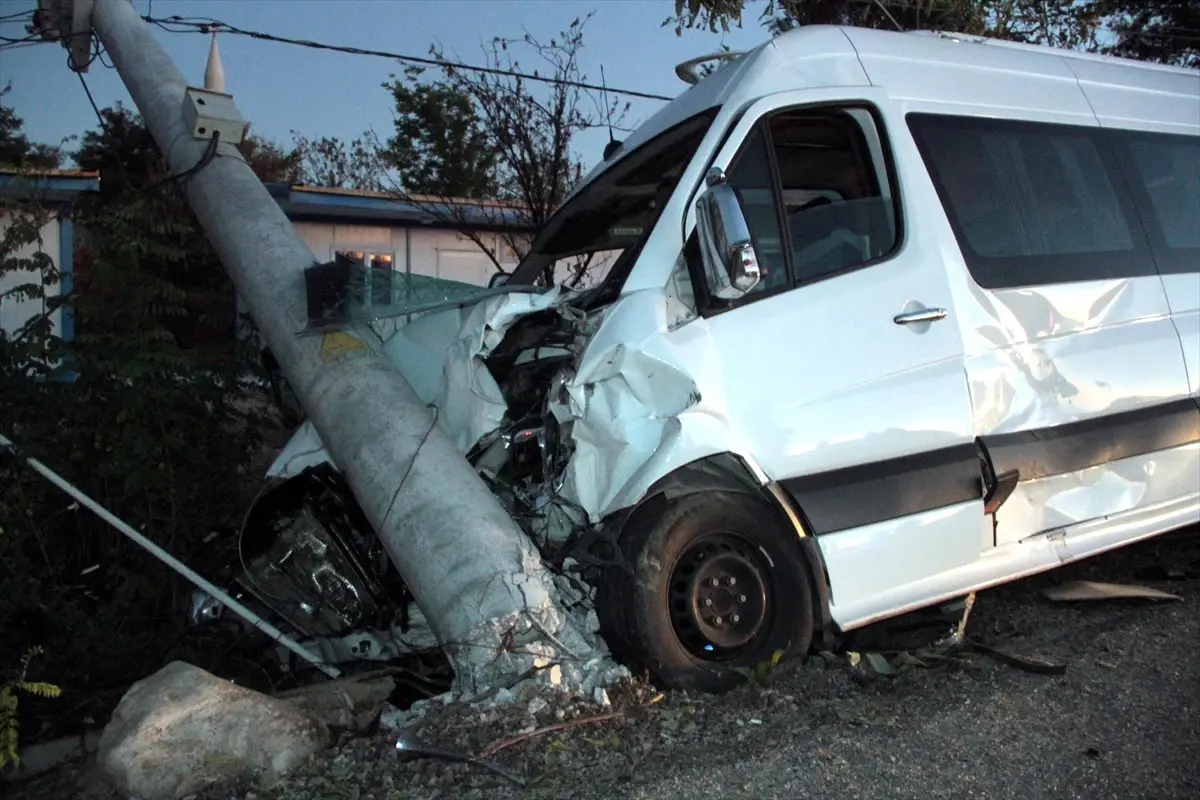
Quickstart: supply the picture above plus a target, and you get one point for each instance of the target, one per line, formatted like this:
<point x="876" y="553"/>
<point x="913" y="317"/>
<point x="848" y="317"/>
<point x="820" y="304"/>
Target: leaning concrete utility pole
<point x="478" y="579"/>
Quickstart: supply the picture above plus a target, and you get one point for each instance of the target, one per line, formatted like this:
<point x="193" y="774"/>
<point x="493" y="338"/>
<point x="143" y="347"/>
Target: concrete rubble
<point x="350" y="704"/>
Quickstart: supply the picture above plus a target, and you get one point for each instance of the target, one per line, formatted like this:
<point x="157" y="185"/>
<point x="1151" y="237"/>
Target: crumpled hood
<point x="622" y="404"/>
<point x="442" y="355"/>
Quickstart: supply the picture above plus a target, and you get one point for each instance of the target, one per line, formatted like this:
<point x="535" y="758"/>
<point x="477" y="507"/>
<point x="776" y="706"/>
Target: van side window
<point x="836" y="194"/>
<point x="1167" y="169"/>
<point x="1030" y="203"/>
<point x="816" y="193"/>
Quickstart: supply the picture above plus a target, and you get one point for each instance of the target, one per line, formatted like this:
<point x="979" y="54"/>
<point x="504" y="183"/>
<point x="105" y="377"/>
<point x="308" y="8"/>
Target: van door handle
<point x="923" y="315"/>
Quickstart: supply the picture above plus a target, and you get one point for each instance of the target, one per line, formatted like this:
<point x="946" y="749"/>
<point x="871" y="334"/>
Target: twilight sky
<point x="281" y="87"/>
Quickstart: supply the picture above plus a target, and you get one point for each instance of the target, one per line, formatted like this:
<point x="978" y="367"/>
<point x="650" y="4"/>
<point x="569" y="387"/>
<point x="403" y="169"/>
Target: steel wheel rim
<point x="719" y="596"/>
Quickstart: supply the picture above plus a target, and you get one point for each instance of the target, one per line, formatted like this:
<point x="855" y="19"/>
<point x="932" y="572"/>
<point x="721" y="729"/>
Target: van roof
<point x="1061" y="52"/>
<point x="814" y="56"/>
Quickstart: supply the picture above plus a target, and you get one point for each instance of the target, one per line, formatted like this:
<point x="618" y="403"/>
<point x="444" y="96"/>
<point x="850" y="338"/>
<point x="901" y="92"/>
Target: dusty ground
<point x="1122" y="722"/>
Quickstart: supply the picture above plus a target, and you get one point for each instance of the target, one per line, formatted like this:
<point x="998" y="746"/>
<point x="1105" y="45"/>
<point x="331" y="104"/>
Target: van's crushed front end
<point x="550" y="393"/>
<point x="553" y="435"/>
<point x="556" y="436"/>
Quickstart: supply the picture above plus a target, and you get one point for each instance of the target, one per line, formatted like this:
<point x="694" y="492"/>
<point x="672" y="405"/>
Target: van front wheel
<point x="719" y="585"/>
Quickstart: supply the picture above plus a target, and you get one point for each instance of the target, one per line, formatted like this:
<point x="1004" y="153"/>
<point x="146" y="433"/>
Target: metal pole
<point x="473" y="572"/>
<point x="162" y="555"/>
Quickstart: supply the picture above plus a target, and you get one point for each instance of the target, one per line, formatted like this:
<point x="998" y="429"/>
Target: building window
<point x="374" y="286"/>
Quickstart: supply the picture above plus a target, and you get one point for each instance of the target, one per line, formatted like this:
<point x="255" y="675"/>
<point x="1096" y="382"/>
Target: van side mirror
<point x="497" y="279"/>
<point x="726" y="249"/>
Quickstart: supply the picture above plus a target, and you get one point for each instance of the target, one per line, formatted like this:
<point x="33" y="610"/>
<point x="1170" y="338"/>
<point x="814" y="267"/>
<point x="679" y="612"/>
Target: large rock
<point x="183" y="728"/>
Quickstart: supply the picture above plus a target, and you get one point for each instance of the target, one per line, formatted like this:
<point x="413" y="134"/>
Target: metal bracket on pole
<point x="70" y="22"/>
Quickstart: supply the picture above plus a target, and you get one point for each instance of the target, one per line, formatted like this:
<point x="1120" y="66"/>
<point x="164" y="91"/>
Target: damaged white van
<point x="886" y="318"/>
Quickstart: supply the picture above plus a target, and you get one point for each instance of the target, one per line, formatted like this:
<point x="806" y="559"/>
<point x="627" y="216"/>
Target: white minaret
<point x="214" y="71"/>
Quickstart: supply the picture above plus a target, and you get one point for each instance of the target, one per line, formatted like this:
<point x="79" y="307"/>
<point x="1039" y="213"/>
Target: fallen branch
<point x="558" y="726"/>
<point x="1036" y="666"/>
<point x="410" y="749"/>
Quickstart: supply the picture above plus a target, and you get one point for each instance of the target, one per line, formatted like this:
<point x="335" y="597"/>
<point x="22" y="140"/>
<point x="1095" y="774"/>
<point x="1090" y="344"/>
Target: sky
<point x="280" y="87"/>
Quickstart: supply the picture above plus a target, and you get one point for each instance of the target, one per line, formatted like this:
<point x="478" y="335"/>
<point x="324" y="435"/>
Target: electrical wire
<point x="28" y="13"/>
<point x="91" y="99"/>
<point x="210" y="153"/>
<point x="207" y="25"/>
<point x="31" y="38"/>
<point x="412" y="463"/>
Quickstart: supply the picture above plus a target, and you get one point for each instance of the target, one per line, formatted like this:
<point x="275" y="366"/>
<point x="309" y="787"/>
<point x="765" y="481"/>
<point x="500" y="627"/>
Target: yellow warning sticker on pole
<point x="335" y="344"/>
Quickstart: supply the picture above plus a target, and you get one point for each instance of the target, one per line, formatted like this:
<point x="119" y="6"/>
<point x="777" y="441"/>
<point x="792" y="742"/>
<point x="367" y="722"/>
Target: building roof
<point x="47" y="184"/>
<point x="311" y="203"/>
<point x="48" y="173"/>
<point x="416" y="198"/>
<point x="307" y="203"/>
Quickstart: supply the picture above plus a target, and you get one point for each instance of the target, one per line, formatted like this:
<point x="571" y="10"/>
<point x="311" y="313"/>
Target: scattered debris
<point x="348" y="704"/>
<point x="1034" y="665"/>
<point x="952" y="647"/>
<point x="958" y="635"/>
<point x="183" y="728"/>
<point x="1077" y="591"/>
<point x="409" y="748"/>
<point x="558" y="726"/>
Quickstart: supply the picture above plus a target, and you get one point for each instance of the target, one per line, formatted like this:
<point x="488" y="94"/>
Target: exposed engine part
<point x="523" y="460"/>
<point x="205" y="608"/>
<point x="309" y="554"/>
<point x="377" y="645"/>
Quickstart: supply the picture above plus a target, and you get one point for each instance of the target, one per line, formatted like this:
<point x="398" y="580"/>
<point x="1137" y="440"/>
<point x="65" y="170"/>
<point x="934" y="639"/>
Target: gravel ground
<point x="1122" y="722"/>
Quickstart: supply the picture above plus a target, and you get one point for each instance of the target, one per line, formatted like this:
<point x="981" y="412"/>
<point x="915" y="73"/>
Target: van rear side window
<point x="1164" y="171"/>
<point x="1032" y="204"/>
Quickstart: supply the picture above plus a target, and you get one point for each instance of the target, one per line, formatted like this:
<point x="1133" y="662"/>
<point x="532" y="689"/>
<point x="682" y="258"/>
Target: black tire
<point x="659" y="619"/>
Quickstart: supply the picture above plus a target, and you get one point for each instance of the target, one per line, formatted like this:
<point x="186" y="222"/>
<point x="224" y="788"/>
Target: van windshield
<point x="592" y="240"/>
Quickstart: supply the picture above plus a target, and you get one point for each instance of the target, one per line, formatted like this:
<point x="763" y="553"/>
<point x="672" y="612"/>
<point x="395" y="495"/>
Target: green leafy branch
<point x="9" y="704"/>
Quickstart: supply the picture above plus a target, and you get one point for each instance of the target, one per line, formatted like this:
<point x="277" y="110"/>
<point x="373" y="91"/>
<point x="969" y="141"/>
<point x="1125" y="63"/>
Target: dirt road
<point x="1123" y="722"/>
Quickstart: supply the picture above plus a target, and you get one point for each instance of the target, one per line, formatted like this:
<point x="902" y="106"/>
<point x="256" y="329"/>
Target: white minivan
<point x="884" y="319"/>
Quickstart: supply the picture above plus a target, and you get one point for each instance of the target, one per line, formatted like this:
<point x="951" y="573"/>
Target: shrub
<point x="157" y="433"/>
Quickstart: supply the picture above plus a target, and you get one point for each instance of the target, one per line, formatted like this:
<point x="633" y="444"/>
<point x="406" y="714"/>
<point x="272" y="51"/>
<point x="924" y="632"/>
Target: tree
<point x="330" y="163"/>
<point x="1062" y="23"/>
<point x="441" y="146"/>
<point x="1166" y="31"/>
<point x="779" y="16"/>
<point x="123" y="149"/>
<point x="269" y="161"/>
<point x="15" y="148"/>
<point x="1152" y="30"/>
<point x="134" y="171"/>
<point x="525" y="126"/>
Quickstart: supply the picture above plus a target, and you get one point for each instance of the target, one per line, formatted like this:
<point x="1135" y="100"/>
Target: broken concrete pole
<point x="182" y="729"/>
<point x="473" y="572"/>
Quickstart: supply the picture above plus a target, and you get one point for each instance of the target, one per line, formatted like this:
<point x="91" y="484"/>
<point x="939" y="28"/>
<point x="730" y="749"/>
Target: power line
<point x="91" y="99"/>
<point x="209" y="25"/>
<point x="28" y="13"/>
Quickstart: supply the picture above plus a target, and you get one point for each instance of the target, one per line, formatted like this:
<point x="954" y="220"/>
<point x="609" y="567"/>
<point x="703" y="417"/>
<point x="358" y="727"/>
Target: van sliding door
<point x="1076" y="374"/>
